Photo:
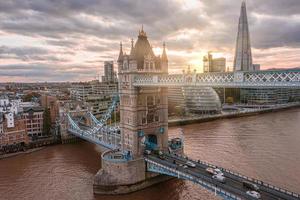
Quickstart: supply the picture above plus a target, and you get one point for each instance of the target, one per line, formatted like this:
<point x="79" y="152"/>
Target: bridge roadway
<point x="233" y="184"/>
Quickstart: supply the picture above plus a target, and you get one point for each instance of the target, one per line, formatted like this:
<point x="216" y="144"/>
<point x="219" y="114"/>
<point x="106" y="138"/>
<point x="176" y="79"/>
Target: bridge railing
<point x="106" y="136"/>
<point x="107" y="114"/>
<point x="159" y="168"/>
<point x="272" y="76"/>
<point x="268" y="79"/>
<point x="259" y="182"/>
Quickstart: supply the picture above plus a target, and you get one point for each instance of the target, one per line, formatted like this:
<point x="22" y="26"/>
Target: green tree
<point x="229" y="100"/>
<point x="28" y="97"/>
<point x="179" y="111"/>
<point x="46" y="122"/>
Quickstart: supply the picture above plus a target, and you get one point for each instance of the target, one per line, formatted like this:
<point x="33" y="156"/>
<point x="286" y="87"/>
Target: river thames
<point x="265" y="147"/>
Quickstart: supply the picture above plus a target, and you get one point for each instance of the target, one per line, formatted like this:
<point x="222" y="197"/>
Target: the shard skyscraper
<point x="243" y="56"/>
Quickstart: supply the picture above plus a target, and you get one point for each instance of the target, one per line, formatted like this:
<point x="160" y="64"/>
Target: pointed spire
<point x="132" y="50"/>
<point x="120" y="58"/>
<point x="142" y="33"/>
<point x="243" y="55"/>
<point x="164" y="56"/>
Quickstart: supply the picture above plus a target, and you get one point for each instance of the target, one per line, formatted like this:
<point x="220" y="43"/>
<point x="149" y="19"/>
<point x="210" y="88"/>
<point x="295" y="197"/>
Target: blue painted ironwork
<point x="104" y="137"/>
<point x="166" y="167"/>
<point x="150" y="145"/>
<point x="153" y="166"/>
<point x="108" y="114"/>
<point x="161" y="130"/>
<point x="141" y="133"/>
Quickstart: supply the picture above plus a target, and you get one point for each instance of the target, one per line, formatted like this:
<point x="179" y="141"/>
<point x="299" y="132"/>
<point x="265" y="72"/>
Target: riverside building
<point x="194" y="99"/>
<point x="211" y="64"/>
<point x="12" y="130"/>
<point x="98" y="94"/>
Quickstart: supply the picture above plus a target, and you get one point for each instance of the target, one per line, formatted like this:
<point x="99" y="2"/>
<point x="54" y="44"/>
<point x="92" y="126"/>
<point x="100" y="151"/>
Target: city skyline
<point x="39" y="42"/>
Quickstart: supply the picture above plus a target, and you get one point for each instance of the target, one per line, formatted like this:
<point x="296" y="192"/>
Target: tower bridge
<point x="143" y="82"/>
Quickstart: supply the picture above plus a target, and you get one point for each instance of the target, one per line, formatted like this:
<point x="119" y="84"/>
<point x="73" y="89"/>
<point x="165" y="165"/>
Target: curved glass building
<point x="201" y="100"/>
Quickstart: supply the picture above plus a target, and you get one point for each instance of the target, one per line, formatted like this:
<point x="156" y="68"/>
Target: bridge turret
<point x="143" y="111"/>
<point x="143" y="120"/>
<point x="120" y="58"/>
<point x="164" y="59"/>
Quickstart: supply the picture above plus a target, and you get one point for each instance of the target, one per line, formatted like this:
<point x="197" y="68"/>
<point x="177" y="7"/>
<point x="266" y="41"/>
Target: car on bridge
<point x="253" y="194"/>
<point x="218" y="171"/>
<point x="190" y="164"/>
<point x="214" y="171"/>
<point x="250" y="186"/>
<point x="147" y="151"/>
<point x="220" y="178"/>
<point x="183" y="166"/>
<point x="210" y="171"/>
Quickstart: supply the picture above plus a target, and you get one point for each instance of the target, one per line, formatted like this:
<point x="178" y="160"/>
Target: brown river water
<point x="265" y="147"/>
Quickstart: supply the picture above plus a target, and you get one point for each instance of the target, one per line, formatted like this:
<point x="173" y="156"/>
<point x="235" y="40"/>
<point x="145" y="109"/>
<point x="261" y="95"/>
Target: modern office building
<point x="97" y="94"/>
<point x="175" y="100"/>
<point x="109" y="73"/>
<point x="211" y="64"/>
<point x="201" y="100"/>
<point x="193" y="99"/>
<point x="243" y="62"/>
<point x="269" y="96"/>
<point x="243" y="55"/>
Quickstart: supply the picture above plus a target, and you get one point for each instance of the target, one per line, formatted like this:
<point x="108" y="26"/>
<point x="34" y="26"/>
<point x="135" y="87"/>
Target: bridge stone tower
<point x="143" y="110"/>
<point x="144" y="121"/>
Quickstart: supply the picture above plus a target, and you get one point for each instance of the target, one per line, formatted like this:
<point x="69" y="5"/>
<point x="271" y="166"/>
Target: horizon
<point x="40" y="43"/>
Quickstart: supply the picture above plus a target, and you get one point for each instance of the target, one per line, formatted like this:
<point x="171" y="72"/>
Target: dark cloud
<point x="29" y="54"/>
<point x="62" y="43"/>
<point x="46" y="71"/>
<point x="71" y="27"/>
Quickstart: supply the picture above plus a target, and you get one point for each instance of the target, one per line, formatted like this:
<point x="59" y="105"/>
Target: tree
<point x="28" y="97"/>
<point x="46" y="122"/>
<point x="179" y="111"/>
<point x="229" y="100"/>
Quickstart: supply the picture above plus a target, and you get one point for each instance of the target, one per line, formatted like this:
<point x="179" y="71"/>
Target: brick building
<point x="51" y="103"/>
<point x="12" y="130"/>
<point x="34" y="122"/>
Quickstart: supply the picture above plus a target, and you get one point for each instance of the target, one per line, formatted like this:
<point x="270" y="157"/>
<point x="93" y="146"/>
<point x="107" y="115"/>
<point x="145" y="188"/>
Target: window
<point x="150" y="118"/>
<point x="156" y="118"/>
<point x="143" y="120"/>
<point x="157" y="100"/>
<point x="150" y="101"/>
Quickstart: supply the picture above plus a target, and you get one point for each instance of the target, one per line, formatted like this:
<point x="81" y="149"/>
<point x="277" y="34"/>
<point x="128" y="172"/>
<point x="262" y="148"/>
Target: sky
<point x="68" y="40"/>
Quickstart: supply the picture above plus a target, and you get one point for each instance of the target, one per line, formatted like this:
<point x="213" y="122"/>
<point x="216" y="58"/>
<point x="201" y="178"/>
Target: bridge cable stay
<point x="108" y="135"/>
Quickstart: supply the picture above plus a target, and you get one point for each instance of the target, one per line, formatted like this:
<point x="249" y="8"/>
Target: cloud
<point x="80" y="35"/>
<point x="29" y="54"/>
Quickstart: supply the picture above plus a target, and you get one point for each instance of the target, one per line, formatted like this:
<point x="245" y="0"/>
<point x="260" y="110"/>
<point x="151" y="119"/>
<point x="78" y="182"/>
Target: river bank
<point x="265" y="147"/>
<point x="9" y="155"/>
<point x="39" y="145"/>
<point x="236" y="114"/>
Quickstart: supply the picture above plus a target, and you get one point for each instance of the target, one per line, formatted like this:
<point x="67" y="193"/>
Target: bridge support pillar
<point x="121" y="176"/>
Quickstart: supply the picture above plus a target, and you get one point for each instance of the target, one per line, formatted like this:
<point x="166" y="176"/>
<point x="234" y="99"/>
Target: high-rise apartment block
<point x="109" y="74"/>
